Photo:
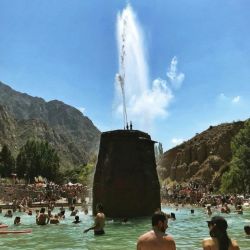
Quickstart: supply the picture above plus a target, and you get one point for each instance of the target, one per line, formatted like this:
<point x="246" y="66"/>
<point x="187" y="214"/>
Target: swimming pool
<point x="188" y="231"/>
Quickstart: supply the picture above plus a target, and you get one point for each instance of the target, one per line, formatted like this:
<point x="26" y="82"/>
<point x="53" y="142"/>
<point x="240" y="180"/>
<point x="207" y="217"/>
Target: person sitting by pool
<point x="42" y="218"/>
<point x="157" y="238"/>
<point x="247" y="230"/>
<point x="219" y="239"/>
<point x="17" y="221"/>
<point x="99" y="221"/>
<point x="54" y="219"/>
<point x="77" y="220"/>
<point x="8" y="214"/>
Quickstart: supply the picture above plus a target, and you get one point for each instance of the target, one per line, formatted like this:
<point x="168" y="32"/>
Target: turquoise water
<point x="188" y="231"/>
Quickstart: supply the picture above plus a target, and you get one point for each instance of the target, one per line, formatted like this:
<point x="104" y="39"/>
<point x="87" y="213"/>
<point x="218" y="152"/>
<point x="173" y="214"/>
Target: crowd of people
<point x="44" y="216"/>
<point x="155" y="239"/>
<point x="201" y="196"/>
<point x="23" y="197"/>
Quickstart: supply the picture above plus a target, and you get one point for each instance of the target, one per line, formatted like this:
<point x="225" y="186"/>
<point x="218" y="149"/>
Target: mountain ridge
<point x="73" y="135"/>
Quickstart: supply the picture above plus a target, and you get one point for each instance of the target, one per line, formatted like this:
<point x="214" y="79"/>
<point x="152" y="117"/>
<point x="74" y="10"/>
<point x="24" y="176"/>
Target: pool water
<point x="188" y="231"/>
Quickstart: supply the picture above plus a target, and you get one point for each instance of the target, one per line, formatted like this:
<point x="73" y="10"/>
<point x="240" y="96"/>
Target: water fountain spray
<point x="121" y="75"/>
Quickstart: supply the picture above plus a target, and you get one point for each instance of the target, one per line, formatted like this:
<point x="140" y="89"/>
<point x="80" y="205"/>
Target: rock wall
<point x="203" y="158"/>
<point x="125" y="180"/>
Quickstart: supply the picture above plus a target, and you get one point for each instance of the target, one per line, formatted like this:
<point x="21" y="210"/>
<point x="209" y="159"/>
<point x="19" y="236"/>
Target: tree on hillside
<point x="7" y="162"/>
<point x="37" y="158"/>
<point x="237" y="178"/>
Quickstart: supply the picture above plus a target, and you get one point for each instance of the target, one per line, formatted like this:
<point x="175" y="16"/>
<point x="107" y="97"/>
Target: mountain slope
<point x="74" y="135"/>
<point x="204" y="158"/>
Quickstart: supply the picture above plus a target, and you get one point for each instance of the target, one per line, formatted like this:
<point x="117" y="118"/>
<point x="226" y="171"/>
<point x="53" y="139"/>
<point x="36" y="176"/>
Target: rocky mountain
<point x="204" y="158"/>
<point x="22" y="117"/>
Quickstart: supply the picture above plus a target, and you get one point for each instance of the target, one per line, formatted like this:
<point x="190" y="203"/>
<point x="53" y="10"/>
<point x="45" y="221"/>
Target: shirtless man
<point x="157" y="239"/>
<point x="218" y="232"/>
<point x="42" y="218"/>
<point x="99" y="221"/>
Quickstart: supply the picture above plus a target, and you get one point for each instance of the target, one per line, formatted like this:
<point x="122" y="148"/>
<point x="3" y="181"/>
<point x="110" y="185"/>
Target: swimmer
<point x="157" y="239"/>
<point x="74" y="212"/>
<point x="8" y="214"/>
<point x="239" y="209"/>
<point x="225" y="209"/>
<point x="61" y="215"/>
<point x="99" y="221"/>
<point x="171" y="216"/>
<point x="247" y="230"/>
<point x="125" y="220"/>
<point x="54" y="219"/>
<point x="77" y="220"/>
<point x="219" y="238"/>
<point x="42" y="218"/>
<point x="17" y="221"/>
<point x="29" y="212"/>
<point x="209" y="211"/>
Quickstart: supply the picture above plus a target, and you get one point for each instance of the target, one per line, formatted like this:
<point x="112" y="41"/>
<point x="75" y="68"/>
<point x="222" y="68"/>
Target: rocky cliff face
<point x="22" y="117"/>
<point x="205" y="157"/>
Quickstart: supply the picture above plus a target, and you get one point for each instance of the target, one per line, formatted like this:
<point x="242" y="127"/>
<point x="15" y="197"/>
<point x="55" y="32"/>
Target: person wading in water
<point x="219" y="239"/>
<point x="99" y="221"/>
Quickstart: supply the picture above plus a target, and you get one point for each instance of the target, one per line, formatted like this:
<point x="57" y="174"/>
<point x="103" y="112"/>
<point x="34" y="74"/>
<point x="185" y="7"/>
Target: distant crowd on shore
<point x="22" y="197"/>
<point x="201" y="195"/>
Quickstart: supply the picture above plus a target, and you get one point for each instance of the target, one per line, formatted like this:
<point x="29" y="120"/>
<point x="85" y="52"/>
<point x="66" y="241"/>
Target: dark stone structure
<point x="125" y="180"/>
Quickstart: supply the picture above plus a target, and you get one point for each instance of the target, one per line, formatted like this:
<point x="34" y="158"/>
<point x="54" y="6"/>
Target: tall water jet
<point x="125" y="179"/>
<point x="133" y="70"/>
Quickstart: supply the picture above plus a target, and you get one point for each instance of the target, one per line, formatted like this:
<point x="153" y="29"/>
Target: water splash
<point x="136" y="99"/>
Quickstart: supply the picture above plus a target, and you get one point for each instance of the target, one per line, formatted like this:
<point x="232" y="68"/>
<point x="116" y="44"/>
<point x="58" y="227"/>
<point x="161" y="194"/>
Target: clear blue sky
<point x="67" y="50"/>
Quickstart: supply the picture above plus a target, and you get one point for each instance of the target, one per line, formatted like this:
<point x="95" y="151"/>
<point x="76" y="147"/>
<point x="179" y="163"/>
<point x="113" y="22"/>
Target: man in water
<point x="157" y="239"/>
<point x="42" y="218"/>
<point x="77" y="220"/>
<point x="17" y="221"/>
<point x="99" y="221"/>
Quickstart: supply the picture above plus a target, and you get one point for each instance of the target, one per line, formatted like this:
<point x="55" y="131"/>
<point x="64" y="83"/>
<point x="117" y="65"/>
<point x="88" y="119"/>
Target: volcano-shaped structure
<point x="125" y="180"/>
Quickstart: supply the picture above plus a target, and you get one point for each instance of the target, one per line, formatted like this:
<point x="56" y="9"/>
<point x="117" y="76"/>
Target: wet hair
<point x="18" y="218"/>
<point x="172" y="215"/>
<point x="76" y="217"/>
<point x="219" y="231"/>
<point x="158" y="216"/>
<point x="247" y="230"/>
